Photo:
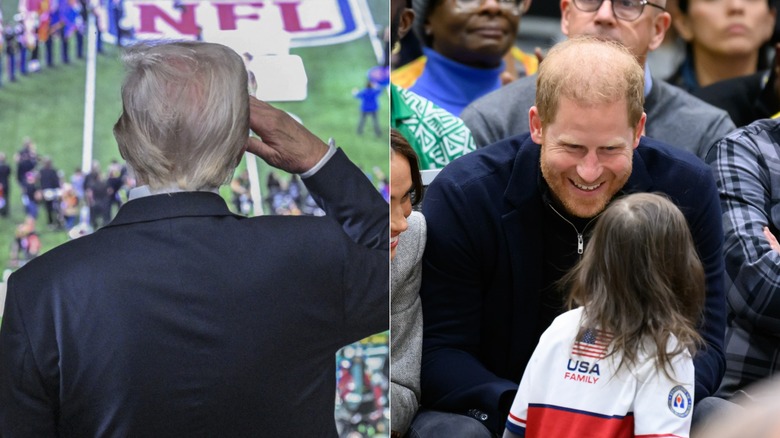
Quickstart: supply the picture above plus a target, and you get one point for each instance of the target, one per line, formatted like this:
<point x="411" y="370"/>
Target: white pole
<point x="254" y="184"/>
<point x="89" y="96"/>
<point x="376" y="42"/>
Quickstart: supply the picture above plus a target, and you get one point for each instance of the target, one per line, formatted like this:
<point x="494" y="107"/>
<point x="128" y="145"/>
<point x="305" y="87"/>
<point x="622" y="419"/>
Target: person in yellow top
<point x="468" y="48"/>
<point x="518" y="64"/>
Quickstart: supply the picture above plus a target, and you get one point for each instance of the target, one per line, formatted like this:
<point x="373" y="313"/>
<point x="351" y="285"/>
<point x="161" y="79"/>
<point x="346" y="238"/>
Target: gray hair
<point x="185" y="113"/>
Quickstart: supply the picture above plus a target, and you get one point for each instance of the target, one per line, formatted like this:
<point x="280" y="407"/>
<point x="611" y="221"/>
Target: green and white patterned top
<point x="435" y="134"/>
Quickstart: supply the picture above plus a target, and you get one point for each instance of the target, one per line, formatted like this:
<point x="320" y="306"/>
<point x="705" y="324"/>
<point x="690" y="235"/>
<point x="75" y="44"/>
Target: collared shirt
<point x="145" y="190"/>
<point x="746" y="164"/>
<point x="648" y="80"/>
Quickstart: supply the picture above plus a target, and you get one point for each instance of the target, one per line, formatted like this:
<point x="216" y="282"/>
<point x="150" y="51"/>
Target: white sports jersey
<point x="570" y="389"/>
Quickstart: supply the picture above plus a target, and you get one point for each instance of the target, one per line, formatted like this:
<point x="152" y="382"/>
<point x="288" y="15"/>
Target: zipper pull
<point x="580" y="244"/>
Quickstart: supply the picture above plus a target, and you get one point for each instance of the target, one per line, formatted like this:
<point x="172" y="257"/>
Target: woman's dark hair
<point x="400" y="145"/>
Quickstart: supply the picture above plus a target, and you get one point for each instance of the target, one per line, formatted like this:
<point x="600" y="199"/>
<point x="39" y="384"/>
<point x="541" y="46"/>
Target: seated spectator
<point x="628" y="346"/>
<point x="407" y="243"/>
<point x="436" y="136"/>
<point x="724" y="40"/>
<point x="745" y="167"/>
<point x="506" y="222"/>
<point x="747" y="98"/>
<point x="464" y="42"/>
<point x="673" y="116"/>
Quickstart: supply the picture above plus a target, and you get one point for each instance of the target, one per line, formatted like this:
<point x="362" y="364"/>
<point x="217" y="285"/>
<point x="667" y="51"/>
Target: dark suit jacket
<point x="180" y="318"/>
<point x="483" y="265"/>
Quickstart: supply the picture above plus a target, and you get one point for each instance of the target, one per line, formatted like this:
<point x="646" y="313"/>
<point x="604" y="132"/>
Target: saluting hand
<point x="283" y="143"/>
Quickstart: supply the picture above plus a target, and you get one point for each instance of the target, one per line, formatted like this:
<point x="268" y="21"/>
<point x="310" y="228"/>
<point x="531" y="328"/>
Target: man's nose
<point x="605" y="14"/>
<point x="589" y="168"/>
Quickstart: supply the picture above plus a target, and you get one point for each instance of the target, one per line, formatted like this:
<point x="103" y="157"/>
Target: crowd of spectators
<point x="77" y="203"/>
<point x="31" y="38"/>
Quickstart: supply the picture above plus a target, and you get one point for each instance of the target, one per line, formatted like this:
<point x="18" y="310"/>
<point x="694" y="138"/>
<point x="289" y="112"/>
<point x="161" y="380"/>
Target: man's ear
<point x="565" y="5"/>
<point x="405" y="22"/>
<point x="661" y="24"/>
<point x="639" y="131"/>
<point x="535" y="124"/>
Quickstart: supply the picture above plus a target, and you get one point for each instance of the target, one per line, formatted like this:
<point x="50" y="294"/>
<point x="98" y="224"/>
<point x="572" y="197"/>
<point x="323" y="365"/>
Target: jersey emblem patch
<point x="680" y="402"/>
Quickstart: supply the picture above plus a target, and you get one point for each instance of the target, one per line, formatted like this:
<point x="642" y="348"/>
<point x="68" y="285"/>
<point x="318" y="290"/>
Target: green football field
<point x="48" y="107"/>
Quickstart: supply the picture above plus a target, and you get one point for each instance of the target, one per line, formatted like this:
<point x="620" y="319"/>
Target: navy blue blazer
<point x="180" y="318"/>
<point x="484" y="259"/>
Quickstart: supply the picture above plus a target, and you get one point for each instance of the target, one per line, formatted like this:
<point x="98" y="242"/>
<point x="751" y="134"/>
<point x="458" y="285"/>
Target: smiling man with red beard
<point x="506" y="222"/>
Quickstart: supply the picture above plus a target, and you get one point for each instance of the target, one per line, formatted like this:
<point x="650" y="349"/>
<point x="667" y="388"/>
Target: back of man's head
<point x="589" y="71"/>
<point x="185" y="115"/>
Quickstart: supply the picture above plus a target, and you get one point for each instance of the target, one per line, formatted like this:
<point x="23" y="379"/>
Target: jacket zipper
<point x="580" y="239"/>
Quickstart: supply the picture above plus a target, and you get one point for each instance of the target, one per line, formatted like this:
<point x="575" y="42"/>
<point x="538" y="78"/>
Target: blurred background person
<point x="5" y="177"/>
<point x="69" y="206"/>
<point x="98" y="195"/>
<point x="26" y="244"/>
<point x="50" y="192"/>
<point x="464" y="43"/>
<point x="115" y="179"/>
<point x="724" y="39"/>
<point x="26" y="160"/>
<point x="369" y="105"/>
<point x="31" y="194"/>
<point x="240" y="194"/>
<point x="436" y="135"/>
<point x="747" y="98"/>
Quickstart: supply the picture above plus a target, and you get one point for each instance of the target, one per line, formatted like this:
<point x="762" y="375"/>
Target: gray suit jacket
<point x="406" y="324"/>
<point x="673" y="116"/>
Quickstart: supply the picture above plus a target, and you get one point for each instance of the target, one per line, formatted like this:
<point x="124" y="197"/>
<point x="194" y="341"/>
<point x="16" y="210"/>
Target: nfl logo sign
<point x="307" y="22"/>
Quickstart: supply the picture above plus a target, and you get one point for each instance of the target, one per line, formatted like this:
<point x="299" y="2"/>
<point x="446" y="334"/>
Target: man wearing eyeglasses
<point x="673" y="116"/>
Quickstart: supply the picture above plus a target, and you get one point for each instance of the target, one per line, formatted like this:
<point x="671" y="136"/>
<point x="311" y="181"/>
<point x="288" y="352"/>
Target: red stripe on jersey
<point x="553" y="421"/>
<point x="517" y="419"/>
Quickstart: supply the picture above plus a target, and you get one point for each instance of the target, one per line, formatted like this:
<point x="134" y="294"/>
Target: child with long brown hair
<point x="620" y="365"/>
